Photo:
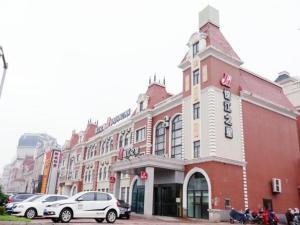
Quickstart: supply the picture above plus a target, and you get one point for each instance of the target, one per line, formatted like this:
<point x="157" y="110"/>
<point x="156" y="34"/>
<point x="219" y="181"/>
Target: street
<point x="133" y="221"/>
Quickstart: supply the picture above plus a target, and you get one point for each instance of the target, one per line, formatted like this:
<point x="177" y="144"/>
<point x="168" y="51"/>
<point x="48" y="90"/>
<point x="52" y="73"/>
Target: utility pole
<point x="5" y="65"/>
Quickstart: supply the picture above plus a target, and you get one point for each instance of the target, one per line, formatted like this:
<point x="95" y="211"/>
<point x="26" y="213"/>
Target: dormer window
<point x="141" y="106"/>
<point x="195" y="48"/>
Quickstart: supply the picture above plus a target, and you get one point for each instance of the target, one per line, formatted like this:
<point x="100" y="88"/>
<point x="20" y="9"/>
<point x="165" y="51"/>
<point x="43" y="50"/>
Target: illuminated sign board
<point x="112" y="121"/>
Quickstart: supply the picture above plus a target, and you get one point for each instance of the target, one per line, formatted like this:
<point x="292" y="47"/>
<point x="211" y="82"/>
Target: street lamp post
<point x="5" y="65"/>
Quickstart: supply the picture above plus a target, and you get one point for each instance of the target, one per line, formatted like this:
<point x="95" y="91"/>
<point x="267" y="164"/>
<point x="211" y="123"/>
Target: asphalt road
<point x="133" y="221"/>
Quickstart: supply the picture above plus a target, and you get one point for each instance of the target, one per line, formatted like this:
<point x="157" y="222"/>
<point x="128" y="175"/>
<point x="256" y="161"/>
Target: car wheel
<point x="65" y="215"/>
<point x="30" y="213"/>
<point x="111" y="216"/>
<point x="99" y="220"/>
<point x="55" y="220"/>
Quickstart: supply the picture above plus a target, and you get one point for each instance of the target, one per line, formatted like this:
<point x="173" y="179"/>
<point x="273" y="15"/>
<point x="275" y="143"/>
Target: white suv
<point x="35" y="205"/>
<point x="96" y="205"/>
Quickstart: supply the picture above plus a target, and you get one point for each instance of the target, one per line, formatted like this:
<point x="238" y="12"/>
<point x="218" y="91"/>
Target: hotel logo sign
<point x="128" y="153"/>
<point x="112" y="121"/>
<point x="226" y="82"/>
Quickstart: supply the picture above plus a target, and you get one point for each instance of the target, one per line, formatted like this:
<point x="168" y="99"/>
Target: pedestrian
<point x="289" y="216"/>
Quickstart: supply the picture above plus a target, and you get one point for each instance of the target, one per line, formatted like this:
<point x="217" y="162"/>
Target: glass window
<point x="121" y="141"/>
<point x="88" y="196"/>
<point x="127" y="137"/>
<point x="102" y="197"/>
<point x="195" y="48"/>
<point x="196" y="111"/>
<point x="61" y="198"/>
<point x="107" y="146"/>
<point x="140" y="134"/>
<point x="195" y="77"/>
<point x="104" y="173"/>
<point x="100" y="174"/>
<point x="111" y="147"/>
<point x="196" y="149"/>
<point x="123" y="191"/>
<point x="176" y="142"/>
<point x="141" y="106"/>
<point x="51" y="199"/>
<point x="160" y="139"/>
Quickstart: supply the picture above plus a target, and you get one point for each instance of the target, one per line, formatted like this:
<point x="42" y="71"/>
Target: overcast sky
<point x="72" y="60"/>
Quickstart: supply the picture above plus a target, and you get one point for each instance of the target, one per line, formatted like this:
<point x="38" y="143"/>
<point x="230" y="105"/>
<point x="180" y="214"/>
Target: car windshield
<point x="33" y="198"/>
<point x="76" y="195"/>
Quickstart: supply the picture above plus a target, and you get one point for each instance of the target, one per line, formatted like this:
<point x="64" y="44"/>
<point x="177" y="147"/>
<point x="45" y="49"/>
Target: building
<point x="27" y="170"/>
<point x="229" y="139"/>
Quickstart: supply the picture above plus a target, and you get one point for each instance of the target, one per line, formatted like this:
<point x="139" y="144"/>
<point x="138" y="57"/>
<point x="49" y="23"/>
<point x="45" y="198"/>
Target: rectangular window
<point x="227" y="203"/>
<point x="127" y="194"/>
<point x="141" y="106"/>
<point x="268" y="204"/>
<point x="196" y="149"/>
<point x="195" y="77"/>
<point x="195" y="48"/>
<point x="123" y="191"/>
<point x="140" y="134"/>
<point x="196" y="111"/>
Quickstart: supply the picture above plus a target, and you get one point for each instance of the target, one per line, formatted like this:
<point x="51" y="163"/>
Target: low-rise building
<point x="229" y="139"/>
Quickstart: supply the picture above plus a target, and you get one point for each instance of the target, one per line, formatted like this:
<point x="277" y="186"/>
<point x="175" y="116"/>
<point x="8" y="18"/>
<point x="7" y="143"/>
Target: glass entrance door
<point x="197" y="197"/>
<point x="137" y="203"/>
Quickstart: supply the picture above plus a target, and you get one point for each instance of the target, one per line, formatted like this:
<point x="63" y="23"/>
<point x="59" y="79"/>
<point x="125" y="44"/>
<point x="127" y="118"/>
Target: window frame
<point x="196" y="74"/>
<point x="196" y="110"/>
<point x="173" y="139"/>
<point x="159" y="126"/>
<point x="198" y="149"/>
<point x="195" y="48"/>
<point x="136" y="134"/>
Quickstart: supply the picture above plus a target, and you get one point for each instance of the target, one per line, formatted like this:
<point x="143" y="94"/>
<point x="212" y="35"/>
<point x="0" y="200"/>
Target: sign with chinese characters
<point x="226" y="81"/>
<point x="144" y="175"/>
<point x="112" y="179"/>
<point x="111" y="121"/>
<point x="128" y="153"/>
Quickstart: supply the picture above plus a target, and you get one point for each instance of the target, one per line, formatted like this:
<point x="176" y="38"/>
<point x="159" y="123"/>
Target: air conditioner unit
<point x="166" y="124"/>
<point x="276" y="185"/>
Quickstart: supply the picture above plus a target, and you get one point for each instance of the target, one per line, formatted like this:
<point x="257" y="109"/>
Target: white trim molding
<point x="267" y="104"/>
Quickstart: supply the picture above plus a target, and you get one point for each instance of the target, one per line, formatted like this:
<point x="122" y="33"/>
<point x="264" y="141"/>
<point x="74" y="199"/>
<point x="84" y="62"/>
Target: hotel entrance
<point x="167" y="200"/>
<point x="137" y="202"/>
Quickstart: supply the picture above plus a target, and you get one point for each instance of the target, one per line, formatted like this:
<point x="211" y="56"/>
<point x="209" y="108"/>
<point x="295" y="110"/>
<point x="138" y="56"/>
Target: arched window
<point x="100" y="174"/>
<point x="103" y="148"/>
<point x="104" y="173"/>
<point x="127" y="139"/>
<point x="197" y="196"/>
<point x="89" y="176"/>
<point x="121" y="141"/>
<point x="160" y="139"/>
<point x="107" y="146"/>
<point x="111" y="147"/>
<point x="176" y="142"/>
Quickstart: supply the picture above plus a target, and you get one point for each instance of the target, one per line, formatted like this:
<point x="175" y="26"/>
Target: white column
<point x="117" y="185"/>
<point x="149" y="186"/>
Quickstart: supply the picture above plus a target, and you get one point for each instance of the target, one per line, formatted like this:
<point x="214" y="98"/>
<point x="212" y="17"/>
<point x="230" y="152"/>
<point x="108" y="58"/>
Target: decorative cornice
<point x="149" y="161"/>
<point x="262" y="102"/>
<point x="213" y="51"/>
<point x="214" y="159"/>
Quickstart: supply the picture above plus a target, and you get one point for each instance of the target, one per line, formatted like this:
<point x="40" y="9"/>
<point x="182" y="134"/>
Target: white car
<point x="34" y="206"/>
<point x="95" y="205"/>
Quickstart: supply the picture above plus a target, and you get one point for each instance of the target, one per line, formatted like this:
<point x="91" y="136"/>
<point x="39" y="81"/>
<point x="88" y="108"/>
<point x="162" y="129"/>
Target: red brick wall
<point x="215" y="70"/>
<point x="272" y="151"/>
<point x="226" y="182"/>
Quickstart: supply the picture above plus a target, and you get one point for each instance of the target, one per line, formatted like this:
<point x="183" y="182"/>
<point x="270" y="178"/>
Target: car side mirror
<point x="79" y="199"/>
